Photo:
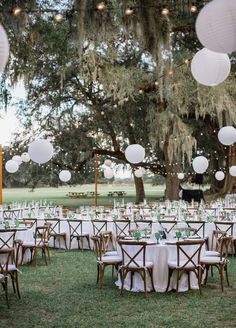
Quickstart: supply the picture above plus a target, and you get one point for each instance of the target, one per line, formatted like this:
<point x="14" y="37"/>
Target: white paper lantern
<point x="219" y="175"/>
<point x="4" y="48"/>
<point x="108" y="162"/>
<point x="25" y="157"/>
<point x="108" y="173"/>
<point x="17" y="159"/>
<point x="215" y="26"/>
<point x="180" y="176"/>
<point x="210" y="68"/>
<point x="11" y="166"/>
<point x="232" y="171"/>
<point x="40" y="151"/>
<point x="138" y="173"/>
<point x="227" y="135"/>
<point x="135" y="153"/>
<point x="65" y="175"/>
<point x="200" y="164"/>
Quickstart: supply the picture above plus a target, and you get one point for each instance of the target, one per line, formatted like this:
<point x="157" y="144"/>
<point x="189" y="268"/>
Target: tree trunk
<point x="172" y="187"/>
<point x="139" y="187"/>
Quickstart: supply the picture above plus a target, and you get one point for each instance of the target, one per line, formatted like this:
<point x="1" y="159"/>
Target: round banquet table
<point x="159" y="254"/>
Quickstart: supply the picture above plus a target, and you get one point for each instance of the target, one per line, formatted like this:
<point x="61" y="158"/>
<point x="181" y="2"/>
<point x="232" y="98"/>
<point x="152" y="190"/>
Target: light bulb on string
<point x="58" y="17"/>
<point x="129" y="11"/>
<point x="100" y="6"/>
<point x="16" y="11"/>
<point x="165" y="11"/>
<point x="193" y="8"/>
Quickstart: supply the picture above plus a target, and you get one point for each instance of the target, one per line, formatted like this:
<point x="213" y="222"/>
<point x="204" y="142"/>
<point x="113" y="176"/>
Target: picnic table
<point x="116" y="193"/>
<point x="81" y="194"/>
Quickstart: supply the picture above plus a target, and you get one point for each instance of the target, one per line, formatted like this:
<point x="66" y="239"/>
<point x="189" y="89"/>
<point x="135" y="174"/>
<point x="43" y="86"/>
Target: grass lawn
<point x="65" y="294"/>
<point x="58" y="195"/>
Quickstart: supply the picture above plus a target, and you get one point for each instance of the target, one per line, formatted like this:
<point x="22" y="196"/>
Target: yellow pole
<point x="96" y="181"/>
<point x="0" y="175"/>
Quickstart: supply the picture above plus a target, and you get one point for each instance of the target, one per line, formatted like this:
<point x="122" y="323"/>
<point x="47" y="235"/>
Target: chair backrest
<point x="167" y="225"/>
<point x="7" y="238"/>
<point x="98" y="247"/>
<point x="199" y="227"/>
<point x="99" y="226"/>
<point x="42" y="234"/>
<point x="54" y="225"/>
<point x="225" y="243"/>
<point x="225" y="226"/>
<point x="75" y="227"/>
<point x="216" y="238"/>
<point x="133" y="253"/>
<point x="6" y="258"/>
<point x="144" y="225"/>
<point x="188" y="253"/>
<point x="122" y="228"/>
<point x="29" y="223"/>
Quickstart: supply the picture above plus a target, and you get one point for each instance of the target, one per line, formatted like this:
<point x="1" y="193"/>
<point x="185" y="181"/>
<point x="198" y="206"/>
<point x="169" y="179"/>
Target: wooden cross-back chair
<point x="220" y="262"/>
<point x="11" y="214"/>
<point x="76" y="232"/>
<point x="122" y="228"/>
<point x="228" y="228"/>
<point x="41" y="241"/>
<point x="99" y="226"/>
<point x="7" y="238"/>
<point x="55" y="231"/>
<point x="6" y="255"/>
<point x="200" y="227"/>
<point x="168" y="225"/>
<point x="188" y="260"/>
<point x="100" y="247"/>
<point x="135" y="263"/>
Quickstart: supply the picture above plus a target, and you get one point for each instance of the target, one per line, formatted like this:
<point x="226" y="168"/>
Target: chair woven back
<point x="188" y="253"/>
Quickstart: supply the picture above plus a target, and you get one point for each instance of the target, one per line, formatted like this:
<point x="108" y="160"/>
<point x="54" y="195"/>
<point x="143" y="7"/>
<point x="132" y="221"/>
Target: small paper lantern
<point x="219" y="175"/>
<point x="180" y="176"/>
<point x="17" y="159"/>
<point x="227" y="135"/>
<point x="11" y="166"/>
<point x="40" y="151"/>
<point x="25" y="157"/>
<point x="232" y="171"/>
<point x="135" y="153"/>
<point x="108" y="173"/>
<point x="138" y="173"/>
<point x="4" y="48"/>
<point x="215" y="26"/>
<point x="65" y="175"/>
<point x="108" y="162"/>
<point x="200" y="164"/>
<point x="210" y="68"/>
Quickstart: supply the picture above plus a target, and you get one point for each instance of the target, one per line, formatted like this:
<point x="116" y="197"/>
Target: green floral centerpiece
<point x="158" y="236"/>
<point x="137" y="235"/>
<point x="178" y="235"/>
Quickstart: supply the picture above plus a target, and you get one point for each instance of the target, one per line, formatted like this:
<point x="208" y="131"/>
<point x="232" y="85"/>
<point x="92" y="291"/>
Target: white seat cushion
<point x="140" y="264"/>
<point x="111" y="253"/>
<point x="212" y="253"/>
<point x="212" y="260"/>
<point x="111" y="259"/>
<point x="11" y="267"/>
<point x="173" y="264"/>
<point x="2" y="277"/>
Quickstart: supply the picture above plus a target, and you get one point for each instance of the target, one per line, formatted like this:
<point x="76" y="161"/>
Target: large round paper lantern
<point x="25" y="157"/>
<point x="65" y="175"/>
<point x="11" y="166"/>
<point x="180" y="176"/>
<point x="200" y="164"/>
<point x="138" y="173"/>
<point x="40" y="151"/>
<point x="210" y="68"/>
<point x="232" y="171"/>
<point x="108" y="162"/>
<point x="4" y="48"/>
<point x="108" y="173"/>
<point x="219" y="175"/>
<point x="17" y="159"/>
<point x="135" y="153"/>
<point x="227" y="135"/>
<point x="215" y="26"/>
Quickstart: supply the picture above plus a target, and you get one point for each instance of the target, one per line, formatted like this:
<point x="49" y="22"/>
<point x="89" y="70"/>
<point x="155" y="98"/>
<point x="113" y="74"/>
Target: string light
<point x="165" y="11"/>
<point x="129" y="11"/>
<point x="16" y="11"/>
<point x="100" y="6"/>
<point x="58" y="17"/>
<point x="193" y="8"/>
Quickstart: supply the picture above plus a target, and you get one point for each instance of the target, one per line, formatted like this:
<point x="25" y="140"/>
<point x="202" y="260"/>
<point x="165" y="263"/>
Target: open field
<point x="58" y="195"/>
<point x="64" y="294"/>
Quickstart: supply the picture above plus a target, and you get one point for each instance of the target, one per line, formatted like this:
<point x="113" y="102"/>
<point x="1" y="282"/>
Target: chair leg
<point x="44" y="254"/>
<point x="5" y="287"/>
<point x="226" y="274"/>
<point x="65" y="242"/>
<point x="131" y="279"/>
<point x="102" y="269"/>
<point x="87" y="237"/>
<point x="82" y="243"/>
<point x="17" y="284"/>
<point x="112" y="270"/>
<point x="98" y="273"/>
<point x="48" y="251"/>
<point x="122" y="277"/>
<point x="200" y="280"/>
<point x="206" y="277"/>
<point x="151" y="275"/>
<point x="221" y="269"/>
<point x="177" y="283"/>
<point x="189" y="285"/>
<point x="145" y="282"/>
<point x="169" y="276"/>
<point x="13" y="282"/>
<point x="70" y="243"/>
